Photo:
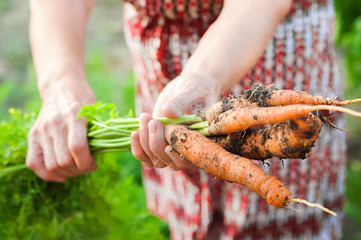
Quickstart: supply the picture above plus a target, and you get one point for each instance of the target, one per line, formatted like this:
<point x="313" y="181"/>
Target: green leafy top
<point x="97" y="110"/>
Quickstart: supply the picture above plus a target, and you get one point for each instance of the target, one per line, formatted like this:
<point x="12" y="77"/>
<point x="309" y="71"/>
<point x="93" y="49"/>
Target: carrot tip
<point x="302" y="201"/>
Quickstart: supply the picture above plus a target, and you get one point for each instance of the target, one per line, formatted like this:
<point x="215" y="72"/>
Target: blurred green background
<point x="110" y="204"/>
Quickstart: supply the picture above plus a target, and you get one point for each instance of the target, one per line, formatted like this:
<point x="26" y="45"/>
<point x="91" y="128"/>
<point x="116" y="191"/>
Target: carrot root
<point x="316" y="205"/>
<point x="333" y="108"/>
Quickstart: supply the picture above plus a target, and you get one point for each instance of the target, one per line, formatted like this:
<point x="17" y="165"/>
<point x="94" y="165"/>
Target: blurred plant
<point x="353" y="189"/>
<point x="108" y="204"/>
<point x="348" y="40"/>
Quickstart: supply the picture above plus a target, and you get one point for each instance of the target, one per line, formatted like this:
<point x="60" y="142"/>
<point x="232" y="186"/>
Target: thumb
<point x="182" y="105"/>
<point x="175" y="107"/>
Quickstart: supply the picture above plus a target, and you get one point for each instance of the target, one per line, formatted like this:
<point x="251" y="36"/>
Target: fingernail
<point x="152" y="126"/>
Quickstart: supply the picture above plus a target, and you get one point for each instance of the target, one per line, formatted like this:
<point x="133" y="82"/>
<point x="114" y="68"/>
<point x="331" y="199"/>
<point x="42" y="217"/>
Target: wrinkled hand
<point x="58" y="146"/>
<point x="183" y="95"/>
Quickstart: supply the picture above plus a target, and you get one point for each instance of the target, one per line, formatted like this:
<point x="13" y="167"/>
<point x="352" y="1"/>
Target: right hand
<point x="58" y="146"/>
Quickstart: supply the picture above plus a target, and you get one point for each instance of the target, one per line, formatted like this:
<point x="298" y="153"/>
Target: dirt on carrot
<point x="291" y="139"/>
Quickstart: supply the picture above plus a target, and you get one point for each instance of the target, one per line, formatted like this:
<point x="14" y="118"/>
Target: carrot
<point x="242" y="118"/>
<point x="265" y="97"/>
<point x="212" y="158"/>
<point x="291" y="139"/>
<point x="210" y="113"/>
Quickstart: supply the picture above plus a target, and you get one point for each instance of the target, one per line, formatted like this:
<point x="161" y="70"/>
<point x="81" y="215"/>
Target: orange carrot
<point x="265" y="97"/>
<point x="242" y="118"/>
<point x="210" y="113"/>
<point x="291" y="139"/>
<point x="209" y="156"/>
<point x="215" y="160"/>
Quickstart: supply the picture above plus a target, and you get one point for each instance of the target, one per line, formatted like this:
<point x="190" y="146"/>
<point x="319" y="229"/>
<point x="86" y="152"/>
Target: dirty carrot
<point x="291" y="139"/>
<point x="210" y="113"/>
<point x="242" y="118"/>
<point x="262" y="96"/>
<point x="212" y="158"/>
<point x="265" y="97"/>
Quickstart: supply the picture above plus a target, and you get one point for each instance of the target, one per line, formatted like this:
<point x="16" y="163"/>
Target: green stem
<point x="12" y="169"/>
<point x="109" y="145"/>
<point x="200" y="125"/>
<point x="114" y="134"/>
<point x="111" y="140"/>
<point x="108" y="150"/>
<point x="107" y="130"/>
<point x="204" y="131"/>
<point x="106" y="126"/>
<point x="109" y="135"/>
<point x="122" y="121"/>
<point x="182" y="119"/>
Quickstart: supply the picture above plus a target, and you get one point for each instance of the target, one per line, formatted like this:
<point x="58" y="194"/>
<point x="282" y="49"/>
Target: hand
<point x="58" y="146"/>
<point x="183" y="95"/>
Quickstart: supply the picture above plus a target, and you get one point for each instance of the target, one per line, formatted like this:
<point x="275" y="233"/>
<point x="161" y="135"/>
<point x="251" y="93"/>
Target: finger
<point x="157" y="143"/>
<point x="49" y="158"/>
<point x="180" y="161"/>
<point x="62" y="154"/>
<point x="35" y="161"/>
<point x="78" y="146"/>
<point x="144" y="139"/>
<point x="138" y="151"/>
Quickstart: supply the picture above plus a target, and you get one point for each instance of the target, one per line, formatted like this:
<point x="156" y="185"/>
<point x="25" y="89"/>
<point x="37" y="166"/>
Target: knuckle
<point x="77" y="147"/>
<point x="85" y="166"/>
<point x="147" y="163"/>
<point x="31" y="164"/>
<point x="46" y="177"/>
<point x="159" y="164"/>
<point x="52" y="167"/>
<point x="34" y="133"/>
<point x="72" y="109"/>
<point x="66" y="162"/>
<point x="138" y="155"/>
<point x="55" y="119"/>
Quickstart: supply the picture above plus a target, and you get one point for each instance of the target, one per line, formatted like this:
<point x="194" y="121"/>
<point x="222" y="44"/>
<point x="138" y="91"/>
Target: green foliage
<point x="353" y="196"/>
<point x="108" y="204"/>
<point x="348" y="39"/>
<point x="353" y="189"/>
<point x="96" y="111"/>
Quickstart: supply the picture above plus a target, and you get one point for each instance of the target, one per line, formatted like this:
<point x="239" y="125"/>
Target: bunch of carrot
<point x="222" y="139"/>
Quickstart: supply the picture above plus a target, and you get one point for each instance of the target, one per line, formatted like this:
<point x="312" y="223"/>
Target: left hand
<point x="183" y="95"/>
